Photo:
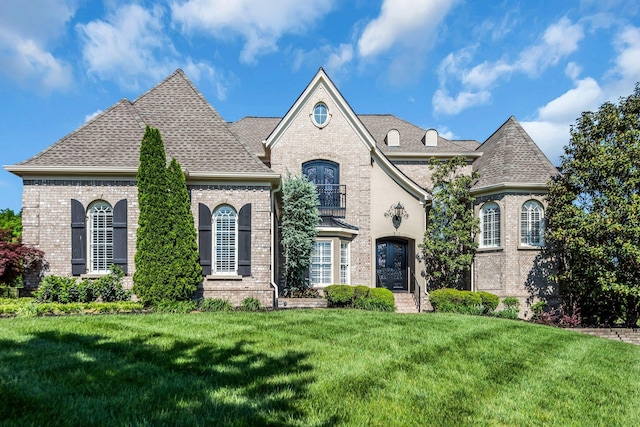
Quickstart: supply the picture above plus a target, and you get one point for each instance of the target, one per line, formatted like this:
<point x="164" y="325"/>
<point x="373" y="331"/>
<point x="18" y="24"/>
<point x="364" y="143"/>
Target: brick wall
<point x="47" y="223"/>
<point x="512" y="269"/>
<point x="338" y="142"/>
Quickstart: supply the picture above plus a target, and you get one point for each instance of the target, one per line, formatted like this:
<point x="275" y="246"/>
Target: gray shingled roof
<point x="253" y="130"/>
<point x="192" y="130"/>
<point x="411" y="136"/>
<point x="511" y="157"/>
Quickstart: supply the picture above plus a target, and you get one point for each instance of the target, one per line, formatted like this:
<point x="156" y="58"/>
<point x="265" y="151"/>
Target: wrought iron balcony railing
<point x="333" y="199"/>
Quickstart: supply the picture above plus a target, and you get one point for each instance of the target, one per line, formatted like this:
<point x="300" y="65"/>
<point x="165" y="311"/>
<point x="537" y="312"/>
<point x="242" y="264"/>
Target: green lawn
<point x="308" y="368"/>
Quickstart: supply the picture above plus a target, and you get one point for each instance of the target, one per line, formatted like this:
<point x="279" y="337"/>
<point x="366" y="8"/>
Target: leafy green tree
<point x="449" y="244"/>
<point x="153" y="250"/>
<point x="12" y="222"/>
<point x="593" y="216"/>
<point x="185" y="269"/>
<point x="300" y="217"/>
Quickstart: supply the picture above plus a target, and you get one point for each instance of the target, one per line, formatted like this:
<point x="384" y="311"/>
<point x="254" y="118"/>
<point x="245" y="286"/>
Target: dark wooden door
<point x="391" y="264"/>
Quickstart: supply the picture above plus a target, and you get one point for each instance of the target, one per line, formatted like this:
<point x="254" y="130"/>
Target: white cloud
<point x="337" y="59"/>
<point x="92" y="115"/>
<point x="558" y="41"/>
<point x="260" y="23"/>
<point x="130" y="47"/>
<point x="27" y="30"/>
<point x="550" y="127"/>
<point x="443" y="103"/>
<point x="403" y="22"/>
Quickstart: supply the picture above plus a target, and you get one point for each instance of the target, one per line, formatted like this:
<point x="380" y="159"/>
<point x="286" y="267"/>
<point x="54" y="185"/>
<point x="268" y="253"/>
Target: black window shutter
<point x="120" y="235"/>
<point x="204" y="238"/>
<point x="244" y="240"/>
<point x="78" y="239"/>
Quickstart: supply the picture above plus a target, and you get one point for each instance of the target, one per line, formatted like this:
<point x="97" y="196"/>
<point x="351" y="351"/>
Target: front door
<point x="391" y="264"/>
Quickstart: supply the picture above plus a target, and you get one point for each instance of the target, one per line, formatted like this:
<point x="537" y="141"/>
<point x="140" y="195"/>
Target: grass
<point x="310" y="368"/>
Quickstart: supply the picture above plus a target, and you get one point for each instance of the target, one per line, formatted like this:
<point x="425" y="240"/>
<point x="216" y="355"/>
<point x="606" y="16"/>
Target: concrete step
<point x="404" y="303"/>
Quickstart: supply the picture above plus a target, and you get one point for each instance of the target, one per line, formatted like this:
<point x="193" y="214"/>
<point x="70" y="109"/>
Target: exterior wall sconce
<point x="396" y="213"/>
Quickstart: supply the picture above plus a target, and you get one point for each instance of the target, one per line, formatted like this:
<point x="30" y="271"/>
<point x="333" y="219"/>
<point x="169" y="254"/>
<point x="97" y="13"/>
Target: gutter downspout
<point x="273" y="247"/>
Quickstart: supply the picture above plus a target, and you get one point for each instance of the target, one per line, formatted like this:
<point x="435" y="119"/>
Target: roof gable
<point x="192" y="131"/>
<point x="511" y="158"/>
<point x="322" y="80"/>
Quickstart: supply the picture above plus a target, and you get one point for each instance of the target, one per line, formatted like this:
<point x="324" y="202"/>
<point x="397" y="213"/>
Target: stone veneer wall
<point x="47" y="226"/>
<point x="337" y="142"/>
<point x="512" y="270"/>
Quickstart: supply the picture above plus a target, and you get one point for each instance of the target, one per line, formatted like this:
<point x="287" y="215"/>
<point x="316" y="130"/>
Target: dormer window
<point x="320" y="115"/>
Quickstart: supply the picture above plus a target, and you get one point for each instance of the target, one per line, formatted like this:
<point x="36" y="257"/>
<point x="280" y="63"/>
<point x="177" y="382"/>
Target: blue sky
<point x="461" y="67"/>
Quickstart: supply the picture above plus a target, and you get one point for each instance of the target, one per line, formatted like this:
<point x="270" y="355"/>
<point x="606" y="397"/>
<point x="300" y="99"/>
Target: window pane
<point x="531" y="218"/>
<point x="100" y="237"/>
<point x="321" y="263"/>
<point x="225" y="239"/>
<point x="490" y="225"/>
<point x="344" y="262"/>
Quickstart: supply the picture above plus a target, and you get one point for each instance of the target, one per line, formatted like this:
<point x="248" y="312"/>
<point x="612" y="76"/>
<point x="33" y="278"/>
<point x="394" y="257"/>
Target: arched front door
<point x="391" y="264"/>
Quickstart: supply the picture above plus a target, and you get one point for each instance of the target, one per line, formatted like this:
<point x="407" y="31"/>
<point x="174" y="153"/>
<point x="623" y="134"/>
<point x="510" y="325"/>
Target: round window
<point x="320" y="114"/>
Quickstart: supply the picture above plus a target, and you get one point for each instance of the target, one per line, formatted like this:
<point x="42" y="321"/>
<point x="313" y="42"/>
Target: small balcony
<point x="333" y="199"/>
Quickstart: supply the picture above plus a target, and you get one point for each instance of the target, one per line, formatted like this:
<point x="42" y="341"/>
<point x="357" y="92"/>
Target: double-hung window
<point x="321" y="265"/>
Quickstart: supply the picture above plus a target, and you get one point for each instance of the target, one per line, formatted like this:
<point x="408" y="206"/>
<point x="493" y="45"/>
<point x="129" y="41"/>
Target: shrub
<point x="170" y="306"/>
<point x="251" y="304"/>
<point x="489" y="301"/>
<point x="511" y="303"/>
<point x="69" y="289"/>
<point x="376" y="299"/>
<point x="214" y="304"/>
<point x="456" y="301"/>
<point x="339" y="295"/>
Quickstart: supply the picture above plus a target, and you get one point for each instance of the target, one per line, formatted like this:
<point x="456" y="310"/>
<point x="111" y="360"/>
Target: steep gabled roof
<point x="322" y="80"/>
<point x="192" y="130"/>
<point x="511" y="159"/>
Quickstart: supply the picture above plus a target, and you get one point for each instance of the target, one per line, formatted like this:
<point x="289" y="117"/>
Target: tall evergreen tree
<point x="153" y="251"/>
<point x="300" y="218"/>
<point x="593" y="217"/>
<point x="185" y="271"/>
<point x="449" y="244"/>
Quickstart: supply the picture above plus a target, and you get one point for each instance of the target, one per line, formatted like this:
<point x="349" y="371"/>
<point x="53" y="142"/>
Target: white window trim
<point x="530" y="222"/>
<point x="312" y="116"/>
<point x="215" y="271"/>
<point x="92" y="241"/>
<point x="484" y="207"/>
<point x="347" y="262"/>
<point x="331" y="264"/>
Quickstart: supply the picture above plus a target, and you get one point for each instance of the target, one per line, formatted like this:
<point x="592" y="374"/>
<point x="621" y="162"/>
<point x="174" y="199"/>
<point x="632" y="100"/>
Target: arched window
<point x="531" y="224"/>
<point x="100" y="237"/>
<point x="490" y="220"/>
<point x="225" y="237"/>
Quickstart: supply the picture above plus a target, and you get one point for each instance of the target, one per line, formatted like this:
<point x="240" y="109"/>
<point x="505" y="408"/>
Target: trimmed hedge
<point x="464" y="302"/>
<point x="489" y="301"/>
<point x="361" y="297"/>
<point x="69" y="289"/>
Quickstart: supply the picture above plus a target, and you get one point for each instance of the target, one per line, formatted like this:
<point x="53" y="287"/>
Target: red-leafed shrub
<point x="16" y="260"/>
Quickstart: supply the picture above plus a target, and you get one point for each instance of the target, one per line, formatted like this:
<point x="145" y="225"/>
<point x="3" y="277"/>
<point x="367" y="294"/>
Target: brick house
<point x="80" y="197"/>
